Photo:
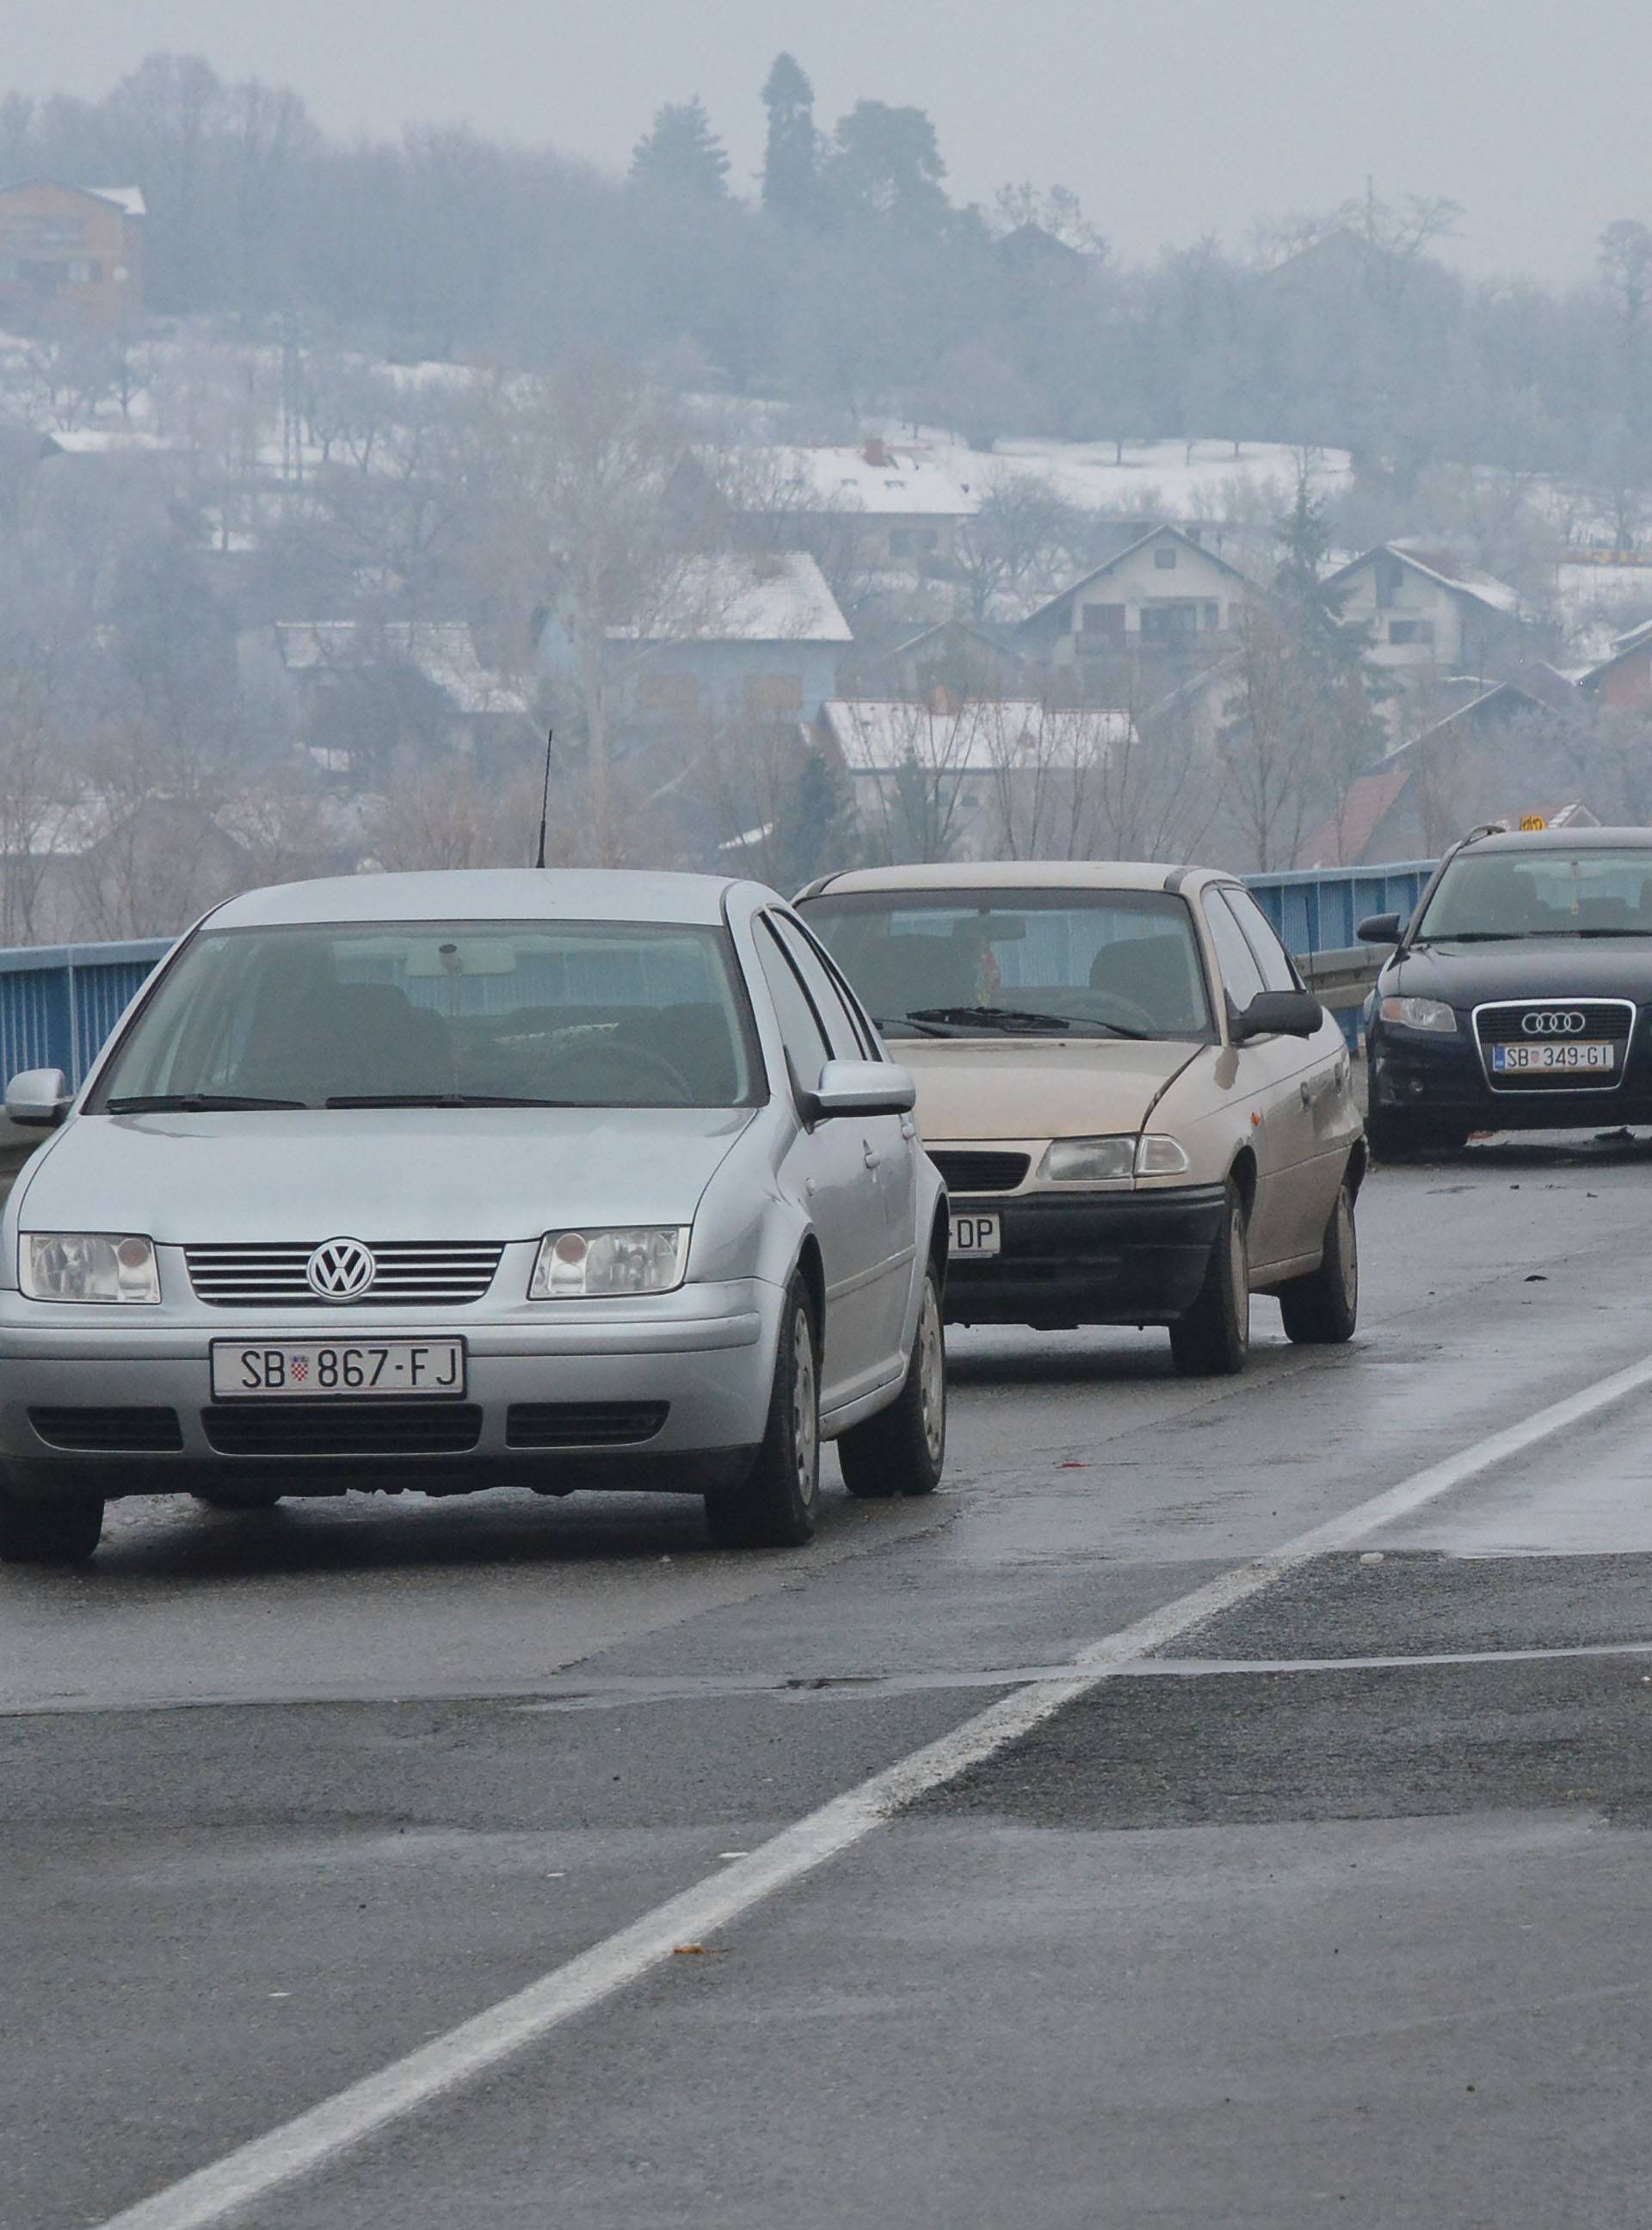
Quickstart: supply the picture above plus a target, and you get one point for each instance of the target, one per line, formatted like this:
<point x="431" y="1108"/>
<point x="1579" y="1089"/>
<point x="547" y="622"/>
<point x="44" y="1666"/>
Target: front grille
<point x="1504" y="1023"/>
<point x="582" y="1424"/>
<point x="110" y="1432"/>
<point x="411" y="1274"/>
<point x="343" y="1429"/>
<point x="967" y="1172"/>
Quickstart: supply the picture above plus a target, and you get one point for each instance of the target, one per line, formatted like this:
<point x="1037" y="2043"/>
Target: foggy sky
<point x="1173" y="118"/>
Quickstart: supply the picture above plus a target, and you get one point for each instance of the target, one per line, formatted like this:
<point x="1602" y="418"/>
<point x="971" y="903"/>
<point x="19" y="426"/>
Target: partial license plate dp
<point x="975" y="1235"/>
<point x="337" y="1369"/>
<point x="1561" y="1056"/>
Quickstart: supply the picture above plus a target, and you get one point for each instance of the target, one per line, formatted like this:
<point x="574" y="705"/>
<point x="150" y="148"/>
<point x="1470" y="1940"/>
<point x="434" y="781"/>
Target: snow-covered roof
<point x="769" y="597"/>
<point x="876" y="479"/>
<point x="1462" y="580"/>
<point x="115" y="441"/>
<point x="128" y="199"/>
<point x="980" y="736"/>
<point x="443" y="651"/>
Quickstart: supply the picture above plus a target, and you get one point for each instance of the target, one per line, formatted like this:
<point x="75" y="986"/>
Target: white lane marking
<point x="348" y="2119"/>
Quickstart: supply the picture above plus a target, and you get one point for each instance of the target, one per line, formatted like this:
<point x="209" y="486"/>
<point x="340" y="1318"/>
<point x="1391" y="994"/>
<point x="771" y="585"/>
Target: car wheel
<point x="1213" y="1339"/>
<point x="1324" y="1307"/>
<point x="903" y="1449"/>
<point x="237" y="1498"/>
<point x="776" y="1507"/>
<point x="65" y="1531"/>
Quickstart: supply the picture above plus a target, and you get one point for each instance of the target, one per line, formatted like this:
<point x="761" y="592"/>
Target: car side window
<point x="1278" y="974"/>
<point x="805" y="1041"/>
<point x="1240" y="971"/>
<point x="847" y="1040"/>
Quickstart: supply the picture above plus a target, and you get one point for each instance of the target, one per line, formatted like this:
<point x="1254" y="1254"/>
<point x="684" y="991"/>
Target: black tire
<point x="65" y="1531"/>
<point x="1323" y="1308"/>
<point x="902" y="1450"/>
<point x="1213" y="1339"/>
<point x="237" y="1498"/>
<point x="1394" y="1136"/>
<point x="776" y="1507"/>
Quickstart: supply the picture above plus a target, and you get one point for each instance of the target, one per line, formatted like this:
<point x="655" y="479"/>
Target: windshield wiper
<point x="439" y="1100"/>
<point x="191" y="1103"/>
<point x="1606" y="932"/>
<point x="1016" y="1018"/>
<point x="929" y="1029"/>
<point x="1477" y="937"/>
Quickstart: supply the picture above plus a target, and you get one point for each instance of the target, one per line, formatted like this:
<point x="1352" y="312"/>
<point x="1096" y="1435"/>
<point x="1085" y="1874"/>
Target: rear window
<point x="568" y="1014"/>
<point x="1042" y="962"/>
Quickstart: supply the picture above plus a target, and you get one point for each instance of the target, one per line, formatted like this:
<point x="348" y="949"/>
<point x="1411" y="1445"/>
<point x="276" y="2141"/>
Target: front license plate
<point x="1559" y="1054"/>
<point x="337" y="1369"/>
<point x="975" y="1234"/>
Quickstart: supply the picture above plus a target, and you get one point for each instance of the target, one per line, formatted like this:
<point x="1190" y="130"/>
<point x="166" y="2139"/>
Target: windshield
<point x="1013" y="962"/>
<point x="565" y="1013"/>
<point x="1491" y="896"/>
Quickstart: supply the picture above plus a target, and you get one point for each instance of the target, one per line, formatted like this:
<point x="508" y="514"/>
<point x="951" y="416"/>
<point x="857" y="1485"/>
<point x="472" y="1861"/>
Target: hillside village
<point x="278" y="603"/>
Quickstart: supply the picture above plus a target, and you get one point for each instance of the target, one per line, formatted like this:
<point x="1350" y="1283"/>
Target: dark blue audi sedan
<point x="1519" y="996"/>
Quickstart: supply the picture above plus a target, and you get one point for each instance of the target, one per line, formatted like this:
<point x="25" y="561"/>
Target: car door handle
<point x="870" y="1156"/>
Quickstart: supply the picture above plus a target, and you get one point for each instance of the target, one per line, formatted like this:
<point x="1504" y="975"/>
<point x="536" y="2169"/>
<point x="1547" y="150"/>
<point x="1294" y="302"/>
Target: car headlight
<point x="590" y="1265"/>
<point x="1088" y="1161"/>
<point x="87" y="1266"/>
<point x="1419" y="1013"/>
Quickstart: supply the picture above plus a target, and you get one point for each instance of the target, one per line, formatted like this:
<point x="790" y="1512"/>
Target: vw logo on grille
<point x="341" y="1270"/>
<point x="1550" y="1022"/>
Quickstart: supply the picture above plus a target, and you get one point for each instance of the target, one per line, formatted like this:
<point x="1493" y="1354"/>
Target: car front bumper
<point x="1441" y="1081"/>
<point x="1077" y="1257"/>
<point x="115" y="1408"/>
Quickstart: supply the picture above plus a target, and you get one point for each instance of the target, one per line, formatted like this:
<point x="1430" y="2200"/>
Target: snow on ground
<point x="1174" y="480"/>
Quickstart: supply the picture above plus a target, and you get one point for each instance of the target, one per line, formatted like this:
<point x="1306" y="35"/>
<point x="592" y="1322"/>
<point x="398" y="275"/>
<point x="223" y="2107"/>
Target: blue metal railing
<point x="1317" y="908"/>
<point x="59" y="1002"/>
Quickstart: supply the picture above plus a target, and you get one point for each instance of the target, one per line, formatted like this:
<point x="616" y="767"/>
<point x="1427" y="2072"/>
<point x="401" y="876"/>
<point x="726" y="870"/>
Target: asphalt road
<point x="1330" y="1906"/>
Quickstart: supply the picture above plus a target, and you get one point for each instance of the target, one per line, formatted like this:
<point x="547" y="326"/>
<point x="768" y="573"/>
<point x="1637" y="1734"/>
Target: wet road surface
<point x="1332" y="1905"/>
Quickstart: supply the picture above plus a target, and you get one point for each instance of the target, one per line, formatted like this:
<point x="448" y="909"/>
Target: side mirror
<point x="861" y="1087"/>
<point x="38" y="1098"/>
<point x="1379" y="929"/>
<point x="1277" y="1014"/>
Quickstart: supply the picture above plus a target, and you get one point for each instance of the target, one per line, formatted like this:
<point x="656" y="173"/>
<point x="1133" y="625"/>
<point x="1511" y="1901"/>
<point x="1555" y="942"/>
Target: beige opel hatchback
<point x="1141" y="1115"/>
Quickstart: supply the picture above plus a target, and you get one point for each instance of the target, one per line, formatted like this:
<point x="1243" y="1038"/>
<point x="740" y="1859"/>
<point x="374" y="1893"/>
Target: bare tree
<point x="1025" y="538"/>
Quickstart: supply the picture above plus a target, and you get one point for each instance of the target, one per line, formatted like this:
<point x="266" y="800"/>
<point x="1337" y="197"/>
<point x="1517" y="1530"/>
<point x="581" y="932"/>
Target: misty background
<point x="902" y="434"/>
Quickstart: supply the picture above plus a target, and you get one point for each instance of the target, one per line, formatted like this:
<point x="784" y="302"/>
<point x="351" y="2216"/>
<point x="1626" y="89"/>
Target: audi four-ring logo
<point x="341" y="1270"/>
<point x="1562" y="1022"/>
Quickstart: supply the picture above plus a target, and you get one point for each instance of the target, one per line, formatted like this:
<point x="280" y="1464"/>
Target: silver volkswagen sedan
<point x="447" y="1181"/>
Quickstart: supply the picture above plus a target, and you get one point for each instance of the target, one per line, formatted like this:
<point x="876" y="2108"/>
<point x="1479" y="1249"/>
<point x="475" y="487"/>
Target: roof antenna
<point x="545" y="800"/>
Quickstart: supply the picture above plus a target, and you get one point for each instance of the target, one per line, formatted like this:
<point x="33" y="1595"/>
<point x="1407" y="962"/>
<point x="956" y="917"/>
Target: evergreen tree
<point x="791" y="157"/>
<point x="887" y="165"/>
<point x="681" y="154"/>
<point x="815" y="827"/>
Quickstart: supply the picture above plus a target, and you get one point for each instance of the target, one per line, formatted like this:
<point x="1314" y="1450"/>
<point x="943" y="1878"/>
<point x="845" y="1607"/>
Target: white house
<point x="1421" y="608"/>
<point x="972" y="778"/>
<point x="898" y="509"/>
<point x="1162" y="591"/>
